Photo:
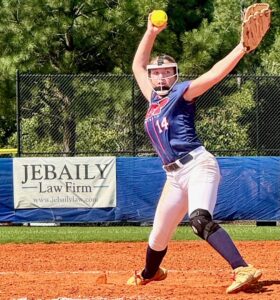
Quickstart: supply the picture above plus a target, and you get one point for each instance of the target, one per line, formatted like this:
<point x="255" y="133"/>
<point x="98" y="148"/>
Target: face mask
<point x="162" y="89"/>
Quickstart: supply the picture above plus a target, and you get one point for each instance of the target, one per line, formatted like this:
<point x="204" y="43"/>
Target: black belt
<point x="174" y="166"/>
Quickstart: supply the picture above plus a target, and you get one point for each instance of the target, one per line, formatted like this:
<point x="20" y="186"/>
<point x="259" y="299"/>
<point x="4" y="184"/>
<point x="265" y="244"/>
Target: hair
<point x="160" y="59"/>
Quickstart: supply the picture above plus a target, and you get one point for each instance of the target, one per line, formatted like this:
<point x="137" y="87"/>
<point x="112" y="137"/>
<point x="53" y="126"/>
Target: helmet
<point x="163" y="89"/>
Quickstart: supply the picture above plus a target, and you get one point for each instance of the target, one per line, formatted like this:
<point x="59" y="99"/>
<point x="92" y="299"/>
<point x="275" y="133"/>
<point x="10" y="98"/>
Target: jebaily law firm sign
<point x="61" y="182"/>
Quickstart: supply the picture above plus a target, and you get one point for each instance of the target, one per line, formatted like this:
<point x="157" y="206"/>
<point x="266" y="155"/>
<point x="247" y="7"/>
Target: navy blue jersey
<point x="169" y="123"/>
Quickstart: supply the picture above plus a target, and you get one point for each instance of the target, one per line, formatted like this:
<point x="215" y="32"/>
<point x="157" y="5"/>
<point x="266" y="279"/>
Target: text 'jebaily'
<point x="35" y="172"/>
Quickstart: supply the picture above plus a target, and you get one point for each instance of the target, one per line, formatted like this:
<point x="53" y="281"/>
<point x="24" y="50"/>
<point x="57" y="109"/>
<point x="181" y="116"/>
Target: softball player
<point x="192" y="172"/>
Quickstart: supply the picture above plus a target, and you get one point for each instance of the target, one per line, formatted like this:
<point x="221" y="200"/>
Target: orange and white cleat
<point x="137" y="278"/>
<point x="243" y="277"/>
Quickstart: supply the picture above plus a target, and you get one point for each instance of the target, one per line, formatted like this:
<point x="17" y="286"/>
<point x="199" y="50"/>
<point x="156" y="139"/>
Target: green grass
<point x="76" y="234"/>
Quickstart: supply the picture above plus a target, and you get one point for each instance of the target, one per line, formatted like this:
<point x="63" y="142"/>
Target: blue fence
<point x="249" y="190"/>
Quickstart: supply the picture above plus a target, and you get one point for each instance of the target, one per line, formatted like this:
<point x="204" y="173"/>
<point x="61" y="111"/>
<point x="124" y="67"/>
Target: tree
<point x="221" y="123"/>
<point x="97" y="36"/>
<point x="219" y="33"/>
<point x="69" y="37"/>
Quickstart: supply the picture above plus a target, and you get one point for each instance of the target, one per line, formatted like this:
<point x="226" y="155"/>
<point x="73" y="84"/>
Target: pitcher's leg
<point x="202" y="195"/>
<point x="171" y="209"/>
<point x="203" y="188"/>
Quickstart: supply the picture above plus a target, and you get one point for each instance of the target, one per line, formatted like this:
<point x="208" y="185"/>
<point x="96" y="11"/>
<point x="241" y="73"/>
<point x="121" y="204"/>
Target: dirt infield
<point x="77" y="271"/>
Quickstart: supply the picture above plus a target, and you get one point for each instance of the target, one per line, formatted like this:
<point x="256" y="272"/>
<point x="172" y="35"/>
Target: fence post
<point x="133" y="118"/>
<point x="18" y="113"/>
<point x="257" y="115"/>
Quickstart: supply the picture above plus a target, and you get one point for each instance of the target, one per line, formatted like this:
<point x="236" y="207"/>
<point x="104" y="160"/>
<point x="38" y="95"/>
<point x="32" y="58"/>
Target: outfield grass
<point x="76" y="234"/>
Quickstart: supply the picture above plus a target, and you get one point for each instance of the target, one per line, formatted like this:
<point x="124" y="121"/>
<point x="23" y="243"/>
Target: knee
<point x="202" y="223"/>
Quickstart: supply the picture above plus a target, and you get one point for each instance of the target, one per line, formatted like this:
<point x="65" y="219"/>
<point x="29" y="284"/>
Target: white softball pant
<point x="194" y="185"/>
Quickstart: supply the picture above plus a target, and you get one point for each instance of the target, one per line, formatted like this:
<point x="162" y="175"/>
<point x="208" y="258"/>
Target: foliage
<point x="219" y="33"/>
<point x="109" y="129"/>
<point x="76" y="114"/>
<point x="65" y="37"/>
<point x="221" y="126"/>
<point x="96" y="36"/>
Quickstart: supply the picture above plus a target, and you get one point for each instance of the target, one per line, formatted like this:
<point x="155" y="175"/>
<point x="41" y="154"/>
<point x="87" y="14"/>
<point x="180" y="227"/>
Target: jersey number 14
<point x="163" y="125"/>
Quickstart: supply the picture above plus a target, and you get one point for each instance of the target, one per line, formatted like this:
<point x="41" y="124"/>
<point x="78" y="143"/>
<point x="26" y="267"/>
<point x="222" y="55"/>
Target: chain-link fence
<point x="104" y="115"/>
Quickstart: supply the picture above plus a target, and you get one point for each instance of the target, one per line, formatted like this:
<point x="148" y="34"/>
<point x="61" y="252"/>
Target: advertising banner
<point x="64" y="182"/>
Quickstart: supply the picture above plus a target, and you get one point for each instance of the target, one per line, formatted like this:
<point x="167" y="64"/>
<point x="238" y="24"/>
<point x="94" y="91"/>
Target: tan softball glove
<point x="256" y="23"/>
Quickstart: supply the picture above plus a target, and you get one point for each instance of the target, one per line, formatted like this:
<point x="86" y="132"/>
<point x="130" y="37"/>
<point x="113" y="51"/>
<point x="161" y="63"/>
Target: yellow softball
<point x="158" y="18"/>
